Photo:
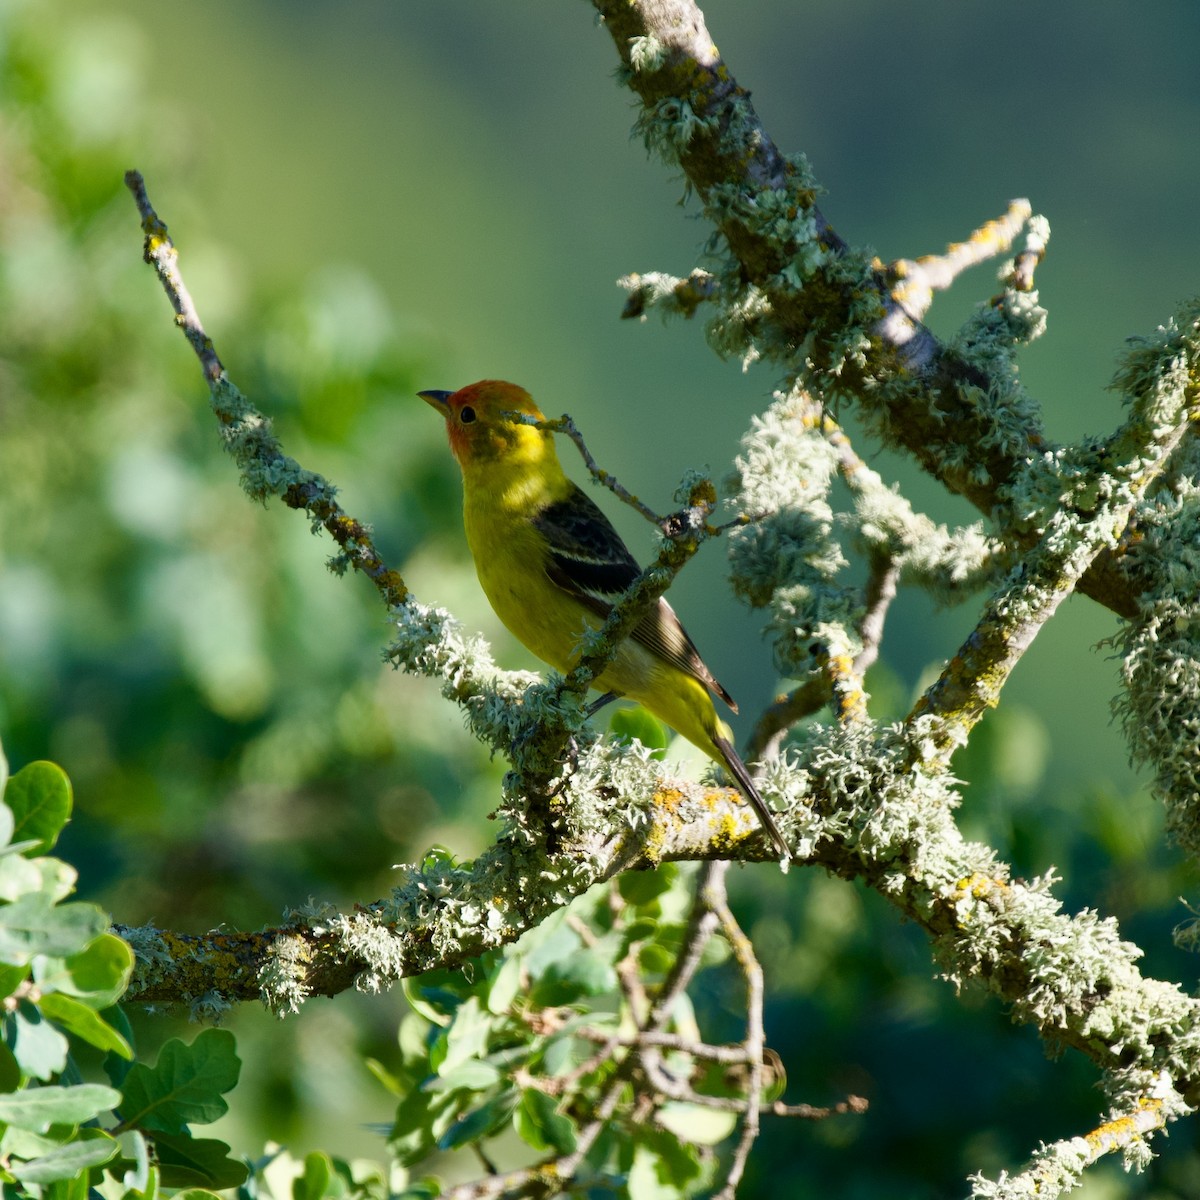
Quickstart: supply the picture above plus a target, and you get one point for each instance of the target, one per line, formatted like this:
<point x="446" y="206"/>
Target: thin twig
<point x="1058" y="1166"/>
<point x="702" y="924"/>
<point x="880" y="591"/>
<point x="566" y="425"/>
<point x="731" y="1055"/>
<point x="247" y="435"/>
<point x="1020" y="278"/>
<point x="558" y="1085"/>
<point x="743" y="951"/>
<point x="811" y="1112"/>
<point x="845" y="685"/>
<point x="735" y="1055"/>
<point x="917" y="281"/>
<point x="778" y="718"/>
<point x="160" y="253"/>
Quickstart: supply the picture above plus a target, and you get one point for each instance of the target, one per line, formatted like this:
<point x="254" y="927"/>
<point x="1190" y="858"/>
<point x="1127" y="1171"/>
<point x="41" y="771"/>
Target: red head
<point x="481" y="427"/>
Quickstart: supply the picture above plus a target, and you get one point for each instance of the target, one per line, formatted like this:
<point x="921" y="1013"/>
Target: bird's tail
<point x="745" y="785"/>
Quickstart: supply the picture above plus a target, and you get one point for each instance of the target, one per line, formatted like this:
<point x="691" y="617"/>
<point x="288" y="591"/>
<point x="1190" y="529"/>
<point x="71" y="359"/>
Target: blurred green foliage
<point x="61" y="973"/>
<point x="180" y="649"/>
<point x="218" y="699"/>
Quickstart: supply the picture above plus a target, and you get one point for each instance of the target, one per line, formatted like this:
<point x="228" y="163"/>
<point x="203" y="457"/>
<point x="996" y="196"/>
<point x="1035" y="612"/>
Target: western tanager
<point x="550" y="563"/>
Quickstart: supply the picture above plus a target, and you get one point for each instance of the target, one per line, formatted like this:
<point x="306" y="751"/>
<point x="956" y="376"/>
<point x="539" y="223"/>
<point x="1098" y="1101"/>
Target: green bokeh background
<point x="372" y="198"/>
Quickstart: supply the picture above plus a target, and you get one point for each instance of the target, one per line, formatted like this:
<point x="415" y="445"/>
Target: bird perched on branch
<point x="550" y="564"/>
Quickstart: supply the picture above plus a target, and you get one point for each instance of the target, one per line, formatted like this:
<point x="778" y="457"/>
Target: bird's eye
<point x="467" y="415"/>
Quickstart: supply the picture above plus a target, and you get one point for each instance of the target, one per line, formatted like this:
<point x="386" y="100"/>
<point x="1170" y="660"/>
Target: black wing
<point x="589" y="560"/>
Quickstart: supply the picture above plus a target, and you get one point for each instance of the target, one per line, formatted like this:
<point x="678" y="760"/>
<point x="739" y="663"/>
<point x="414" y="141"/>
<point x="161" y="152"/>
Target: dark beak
<point x="436" y="399"/>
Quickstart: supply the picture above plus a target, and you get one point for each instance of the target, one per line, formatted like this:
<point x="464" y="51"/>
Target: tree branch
<point x="797" y="293"/>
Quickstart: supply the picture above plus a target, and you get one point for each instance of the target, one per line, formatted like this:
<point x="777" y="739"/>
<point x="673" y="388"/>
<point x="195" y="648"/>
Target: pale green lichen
<point x="671" y="124"/>
<point x="646" y="54"/>
<point x="949" y="564"/>
<point x="152" y="958"/>
<point x="987" y="341"/>
<point x="788" y="558"/>
<point x="668" y="295"/>
<point x="431" y="642"/>
<point x="1076" y="973"/>
<point x="1160" y="704"/>
<point x="210" y="1009"/>
<point x="248" y="438"/>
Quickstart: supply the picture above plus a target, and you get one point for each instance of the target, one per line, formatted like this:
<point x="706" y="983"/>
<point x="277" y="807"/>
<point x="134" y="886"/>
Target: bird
<point x="551" y="564"/>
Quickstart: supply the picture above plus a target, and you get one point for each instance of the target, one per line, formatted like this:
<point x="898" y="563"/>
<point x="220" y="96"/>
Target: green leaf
<point x="76" y="1188"/>
<point x="10" y="1073"/>
<point x="92" y="1148"/>
<point x="636" y="722"/>
<point x="436" y="995"/>
<point x="116" y="1067"/>
<point x="414" y="1040"/>
<point x="39" y="1108"/>
<point x="34" y="925"/>
<point x="7" y="820"/>
<point x="661" y="1168"/>
<point x="55" y="877"/>
<point x="559" y="1055"/>
<point x="188" y="1162"/>
<point x="38" y="1047"/>
<point x="98" y="974"/>
<point x="642" y="887"/>
<point x="480" y="1122"/>
<point x="465" y="1040"/>
<point x="467" y="1076"/>
<point x="540" y="1125"/>
<point x="505" y="984"/>
<point x="426" y="1188"/>
<point x="586" y="971"/>
<point x="183" y="1086"/>
<point x="39" y="796"/>
<point x="85" y="1023"/>
<point x="392" y="1082"/>
<point x="11" y="978"/>
<point x="655" y="959"/>
<point x="22" y="1143"/>
<point x="138" y="1175"/>
<point x="18" y="875"/>
<point x="696" y="1123"/>
<point x="421" y="1118"/>
<point x="313" y="1183"/>
<point x="548" y="944"/>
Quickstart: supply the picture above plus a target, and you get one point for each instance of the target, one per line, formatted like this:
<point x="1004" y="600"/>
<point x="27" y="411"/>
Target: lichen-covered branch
<point x="792" y="291"/>
<point x="1160" y="706"/>
<point x="790" y="560"/>
<point x="1092" y="492"/>
<point x="853" y="805"/>
<point x="266" y="470"/>
<point x="442" y="914"/>
<point x="1058" y="1168"/>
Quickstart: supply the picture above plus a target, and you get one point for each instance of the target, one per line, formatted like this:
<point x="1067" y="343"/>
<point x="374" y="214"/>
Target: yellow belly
<point x="511" y="564"/>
